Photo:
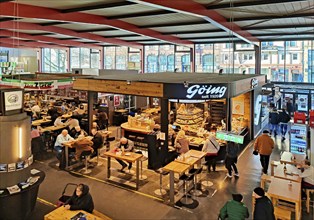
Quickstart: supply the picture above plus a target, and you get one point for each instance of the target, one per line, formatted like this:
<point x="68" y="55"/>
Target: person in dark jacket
<point x="234" y="209"/>
<point x="274" y="121"/>
<point x="264" y="208"/>
<point x="232" y="151"/>
<point x="97" y="140"/>
<point x="284" y="118"/>
<point x="80" y="200"/>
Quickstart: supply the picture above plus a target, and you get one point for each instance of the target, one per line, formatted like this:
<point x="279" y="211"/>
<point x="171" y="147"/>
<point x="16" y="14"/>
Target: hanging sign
<point x="196" y="91"/>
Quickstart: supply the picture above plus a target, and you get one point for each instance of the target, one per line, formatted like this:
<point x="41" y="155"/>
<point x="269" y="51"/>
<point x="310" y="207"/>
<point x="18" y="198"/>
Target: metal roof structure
<point x="134" y="23"/>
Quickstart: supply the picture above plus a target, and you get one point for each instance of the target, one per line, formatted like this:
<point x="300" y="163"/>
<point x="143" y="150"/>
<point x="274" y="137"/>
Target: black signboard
<point x="196" y="91"/>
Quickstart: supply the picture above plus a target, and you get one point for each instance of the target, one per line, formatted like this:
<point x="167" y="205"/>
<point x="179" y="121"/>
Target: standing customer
<point x="274" y="121"/>
<point x="264" y="145"/>
<point x="181" y="142"/>
<point x="264" y="208"/>
<point x="234" y="209"/>
<point x="80" y="200"/>
<point x="284" y="118"/>
<point x="211" y="148"/>
<point x="231" y="159"/>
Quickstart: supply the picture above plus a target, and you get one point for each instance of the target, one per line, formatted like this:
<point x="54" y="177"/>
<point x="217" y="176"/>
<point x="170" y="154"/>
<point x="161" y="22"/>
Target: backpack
<point x="232" y="149"/>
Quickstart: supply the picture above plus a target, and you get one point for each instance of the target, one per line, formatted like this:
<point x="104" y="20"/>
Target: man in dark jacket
<point x="232" y="151"/>
<point x="234" y="209"/>
<point x="264" y="208"/>
<point x="80" y="200"/>
<point x="97" y="140"/>
<point x="274" y="121"/>
<point x="284" y="118"/>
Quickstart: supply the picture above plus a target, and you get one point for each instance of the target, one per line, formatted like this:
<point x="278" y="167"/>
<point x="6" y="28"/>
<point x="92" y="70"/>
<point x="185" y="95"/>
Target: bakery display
<point x="189" y="117"/>
<point x="141" y="122"/>
<point x="238" y="124"/>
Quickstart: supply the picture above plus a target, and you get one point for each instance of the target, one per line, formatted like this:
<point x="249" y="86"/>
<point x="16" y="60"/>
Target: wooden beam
<point x="120" y="87"/>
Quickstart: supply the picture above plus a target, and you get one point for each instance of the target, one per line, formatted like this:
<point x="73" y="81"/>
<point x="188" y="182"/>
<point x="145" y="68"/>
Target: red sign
<point x="116" y="100"/>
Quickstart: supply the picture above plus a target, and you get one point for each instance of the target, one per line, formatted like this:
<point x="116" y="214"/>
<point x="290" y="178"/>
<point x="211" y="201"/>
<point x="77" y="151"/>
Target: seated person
<point x="307" y="174"/>
<point x="82" y="144"/>
<point x="95" y="126"/>
<point x="127" y="146"/>
<point x="97" y="140"/>
<point x="289" y="157"/>
<point x="72" y="122"/>
<point x="181" y="142"/>
<point x="36" y="110"/>
<point x="61" y="138"/>
<point x="102" y="120"/>
<point x="77" y="131"/>
<point x="80" y="200"/>
<point x="58" y="121"/>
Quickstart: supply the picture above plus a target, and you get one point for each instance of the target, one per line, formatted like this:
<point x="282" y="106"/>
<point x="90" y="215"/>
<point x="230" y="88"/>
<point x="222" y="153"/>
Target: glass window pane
<point x="95" y="60"/>
<point x="75" y="56"/>
<point x="121" y="58"/>
<point x="85" y="58"/>
<point x="109" y="57"/>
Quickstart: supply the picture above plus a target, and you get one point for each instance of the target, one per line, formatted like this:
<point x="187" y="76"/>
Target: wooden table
<point x="68" y="115"/>
<point x="195" y="153"/>
<point x="280" y="189"/>
<point x="129" y="157"/>
<point x="174" y="167"/>
<point x="292" y="173"/>
<point x="63" y="214"/>
<point x="52" y="128"/>
<point x="40" y="121"/>
<point x="67" y="145"/>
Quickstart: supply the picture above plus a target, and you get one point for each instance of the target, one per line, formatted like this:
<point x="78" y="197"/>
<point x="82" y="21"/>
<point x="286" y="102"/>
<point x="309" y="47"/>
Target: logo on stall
<point x="254" y="83"/>
<point x="206" y="91"/>
<point x="13" y="98"/>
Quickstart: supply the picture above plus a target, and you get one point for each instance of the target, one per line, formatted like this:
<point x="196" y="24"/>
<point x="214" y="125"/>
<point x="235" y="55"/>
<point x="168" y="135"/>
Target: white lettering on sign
<point x="206" y="91"/>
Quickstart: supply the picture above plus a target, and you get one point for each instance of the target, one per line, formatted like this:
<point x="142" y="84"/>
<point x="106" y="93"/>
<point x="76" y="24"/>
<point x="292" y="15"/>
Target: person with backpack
<point x="231" y="159"/>
<point x="284" y="118"/>
<point x="274" y="121"/>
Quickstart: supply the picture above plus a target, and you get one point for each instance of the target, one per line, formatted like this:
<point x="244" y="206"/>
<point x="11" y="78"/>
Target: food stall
<point x="231" y="97"/>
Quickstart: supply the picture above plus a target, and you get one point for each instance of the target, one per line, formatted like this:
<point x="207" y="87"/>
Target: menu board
<point x="227" y="136"/>
<point x="298" y="138"/>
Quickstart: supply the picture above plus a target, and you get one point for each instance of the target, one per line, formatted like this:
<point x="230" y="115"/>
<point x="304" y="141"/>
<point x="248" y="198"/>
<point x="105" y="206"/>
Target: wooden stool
<point x="265" y="178"/>
<point x="308" y="191"/>
<point x="282" y="214"/>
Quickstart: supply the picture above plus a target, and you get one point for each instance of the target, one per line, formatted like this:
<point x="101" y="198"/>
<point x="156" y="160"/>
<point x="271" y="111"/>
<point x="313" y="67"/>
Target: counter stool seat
<point x="161" y="191"/>
<point x="86" y="156"/>
<point x="196" y="171"/>
<point x="186" y="200"/>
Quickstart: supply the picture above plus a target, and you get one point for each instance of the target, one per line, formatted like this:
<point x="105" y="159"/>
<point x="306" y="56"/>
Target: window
<point x="54" y="60"/>
<point x="294" y="56"/>
<point x="265" y="56"/>
<point x="291" y="43"/>
<point x="250" y="56"/>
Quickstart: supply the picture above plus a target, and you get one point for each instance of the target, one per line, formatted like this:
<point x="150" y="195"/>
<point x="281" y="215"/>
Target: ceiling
<point x="134" y="23"/>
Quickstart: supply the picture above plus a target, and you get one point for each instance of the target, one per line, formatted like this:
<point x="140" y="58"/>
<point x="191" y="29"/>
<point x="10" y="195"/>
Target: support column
<point x="164" y="120"/>
<point x="91" y="96"/>
<point x="257" y="59"/>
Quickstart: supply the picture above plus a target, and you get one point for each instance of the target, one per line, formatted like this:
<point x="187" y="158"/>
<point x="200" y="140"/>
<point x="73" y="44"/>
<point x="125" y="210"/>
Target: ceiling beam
<point x="96" y="30"/>
<point x="64" y="31"/>
<point x="98" y="6"/>
<point x="173" y="24"/>
<point x="19" y="42"/>
<point x="195" y="31"/>
<point x="141" y="14"/>
<point x="267" y="17"/>
<point x="8" y="45"/>
<point x="54" y="23"/>
<point x="193" y="8"/>
<point x="27" y="11"/>
<point x="267" y="27"/>
<point x="46" y="39"/>
<point x="248" y="4"/>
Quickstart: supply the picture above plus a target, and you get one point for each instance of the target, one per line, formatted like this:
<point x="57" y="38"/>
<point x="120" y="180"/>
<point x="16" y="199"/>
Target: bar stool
<point x="186" y="200"/>
<point x="143" y="177"/>
<point x="86" y="156"/>
<point x="196" y="171"/>
<point x="161" y="191"/>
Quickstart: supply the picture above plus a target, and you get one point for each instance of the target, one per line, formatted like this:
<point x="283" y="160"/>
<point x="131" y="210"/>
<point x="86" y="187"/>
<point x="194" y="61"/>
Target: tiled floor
<point x="121" y="202"/>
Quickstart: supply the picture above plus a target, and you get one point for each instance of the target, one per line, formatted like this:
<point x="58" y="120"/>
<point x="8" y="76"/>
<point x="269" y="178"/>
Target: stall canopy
<point x="173" y="85"/>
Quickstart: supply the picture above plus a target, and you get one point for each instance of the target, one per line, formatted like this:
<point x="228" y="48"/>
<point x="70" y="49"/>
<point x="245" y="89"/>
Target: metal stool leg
<point x="186" y="200"/>
<point x="160" y="191"/>
<point x="195" y="191"/>
<point x="85" y="170"/>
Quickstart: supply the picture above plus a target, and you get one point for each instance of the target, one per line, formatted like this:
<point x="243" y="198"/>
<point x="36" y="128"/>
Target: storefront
<point x="230" y="99"/>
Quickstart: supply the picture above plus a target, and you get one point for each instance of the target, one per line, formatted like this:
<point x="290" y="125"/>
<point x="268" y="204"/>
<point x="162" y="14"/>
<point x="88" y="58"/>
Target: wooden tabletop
<point x="280" y="189"/>
<point x="195" y="153"/>
<point x="63" y="214"/>
<point x="68" y="115"/>
<point x="292" y="173"/>
<point x="139" y="130"/>
<point x="176" y="167"/>
<point x="40" y="121"/>
<point x="52" y="128"/>
<point x="128" y="156"/>
<point x="188" y="160"/>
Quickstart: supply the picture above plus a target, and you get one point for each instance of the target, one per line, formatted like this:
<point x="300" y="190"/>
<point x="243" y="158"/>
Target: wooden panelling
<point x="120" y="87"/>
<point x="244" y="85"/>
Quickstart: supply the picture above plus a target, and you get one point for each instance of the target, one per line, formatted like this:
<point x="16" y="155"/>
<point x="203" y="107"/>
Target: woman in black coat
<point x="80" y="200"/>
